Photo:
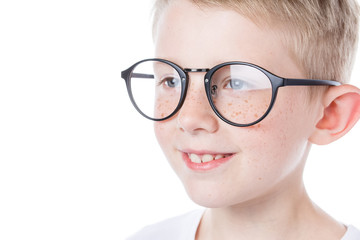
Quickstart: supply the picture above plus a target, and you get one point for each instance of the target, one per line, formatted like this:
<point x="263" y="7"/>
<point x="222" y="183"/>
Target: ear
<point x="340" y="112"/>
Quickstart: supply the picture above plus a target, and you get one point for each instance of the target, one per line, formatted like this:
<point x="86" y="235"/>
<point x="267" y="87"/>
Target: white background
<point x="76" y="160"/>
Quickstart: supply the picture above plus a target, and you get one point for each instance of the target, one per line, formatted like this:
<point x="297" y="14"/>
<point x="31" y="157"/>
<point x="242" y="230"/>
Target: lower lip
<point x="207" y="166"/>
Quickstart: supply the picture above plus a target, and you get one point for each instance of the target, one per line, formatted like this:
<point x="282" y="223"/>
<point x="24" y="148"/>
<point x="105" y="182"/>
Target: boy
<point x="236" y="105"/>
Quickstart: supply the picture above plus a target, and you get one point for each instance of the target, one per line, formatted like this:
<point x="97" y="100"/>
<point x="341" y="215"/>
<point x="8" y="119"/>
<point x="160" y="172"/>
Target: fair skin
<point x="259" y="193"/>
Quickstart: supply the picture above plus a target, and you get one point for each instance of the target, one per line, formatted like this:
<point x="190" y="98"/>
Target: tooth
<point x="219" y="156"/>
<point x="195" y="158"/>
<point x="207" y="158"/>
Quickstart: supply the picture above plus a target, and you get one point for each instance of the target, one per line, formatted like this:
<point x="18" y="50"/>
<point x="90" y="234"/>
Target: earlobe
<point x="341" y="111"/>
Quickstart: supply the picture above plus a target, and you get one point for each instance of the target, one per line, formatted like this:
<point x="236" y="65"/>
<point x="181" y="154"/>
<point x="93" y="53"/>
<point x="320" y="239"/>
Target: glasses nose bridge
<point x="196" y="70"/>
<point x="206" y="72"/>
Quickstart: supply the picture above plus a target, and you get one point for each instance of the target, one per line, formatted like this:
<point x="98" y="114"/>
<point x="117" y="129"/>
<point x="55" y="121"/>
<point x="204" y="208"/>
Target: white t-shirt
<point x="184" y="228"/>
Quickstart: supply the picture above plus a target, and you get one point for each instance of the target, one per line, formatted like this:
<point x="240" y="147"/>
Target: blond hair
<point x="321" y="35"/>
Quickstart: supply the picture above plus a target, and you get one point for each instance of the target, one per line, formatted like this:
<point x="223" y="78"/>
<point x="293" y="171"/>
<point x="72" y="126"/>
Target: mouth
<point x="195" y="158"/>
<point x="205" y="161"/>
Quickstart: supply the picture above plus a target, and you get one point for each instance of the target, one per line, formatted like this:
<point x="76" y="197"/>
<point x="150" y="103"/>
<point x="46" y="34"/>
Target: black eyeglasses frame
<point x="276" y="83"/>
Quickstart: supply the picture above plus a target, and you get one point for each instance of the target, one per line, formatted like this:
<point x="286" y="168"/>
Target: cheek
<point x="280" y="139"/>
<point x="165" y="103"/>
<point x="164" y="134"/>
<point x="160" y="133"/>
<point x="244" y="108"/>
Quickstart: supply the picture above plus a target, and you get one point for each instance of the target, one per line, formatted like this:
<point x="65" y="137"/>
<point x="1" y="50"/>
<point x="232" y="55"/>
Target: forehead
<point x="194" y="36"/>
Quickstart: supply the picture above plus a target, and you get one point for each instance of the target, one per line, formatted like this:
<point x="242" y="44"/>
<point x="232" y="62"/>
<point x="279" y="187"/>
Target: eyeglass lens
<point x="240" y="93"/>
<point x="156" y="89"/>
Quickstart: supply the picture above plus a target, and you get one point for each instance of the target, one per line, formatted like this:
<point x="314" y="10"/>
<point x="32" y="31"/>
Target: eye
<point x="170" y="82"/>
<point x="237" y="84"/>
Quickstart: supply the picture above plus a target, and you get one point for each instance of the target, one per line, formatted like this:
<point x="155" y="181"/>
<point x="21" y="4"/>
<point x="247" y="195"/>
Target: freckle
<point x="246" y="101"/>
<point x="229" y="104"/>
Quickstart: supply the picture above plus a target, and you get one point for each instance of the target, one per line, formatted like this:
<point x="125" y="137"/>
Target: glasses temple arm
<point x="309" y="82"/>
<point x="142" y="75"/>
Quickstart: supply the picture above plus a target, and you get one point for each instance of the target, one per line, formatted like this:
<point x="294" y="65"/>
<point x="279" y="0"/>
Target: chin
<point x="214" y="195"/>
<point x="207" y="202"/>
<point x="209" y="198"/>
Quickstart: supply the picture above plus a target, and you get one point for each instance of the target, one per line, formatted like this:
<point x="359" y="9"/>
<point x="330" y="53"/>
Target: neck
<point x="288" y="214"/>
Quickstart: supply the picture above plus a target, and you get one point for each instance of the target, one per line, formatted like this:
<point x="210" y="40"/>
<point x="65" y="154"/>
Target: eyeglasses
<point x="241" y="94"/>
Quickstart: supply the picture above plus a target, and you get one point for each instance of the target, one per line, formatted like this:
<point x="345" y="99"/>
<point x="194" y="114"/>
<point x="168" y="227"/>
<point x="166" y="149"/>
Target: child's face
<point x="256" y="162"/>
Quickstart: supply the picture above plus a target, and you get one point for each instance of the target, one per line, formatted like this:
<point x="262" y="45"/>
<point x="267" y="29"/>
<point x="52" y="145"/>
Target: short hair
<point x="321" y="35"/>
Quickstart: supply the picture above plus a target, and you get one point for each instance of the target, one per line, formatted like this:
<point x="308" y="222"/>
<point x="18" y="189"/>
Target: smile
<point x="205" y="162"/>
<point x="195" y="158"/>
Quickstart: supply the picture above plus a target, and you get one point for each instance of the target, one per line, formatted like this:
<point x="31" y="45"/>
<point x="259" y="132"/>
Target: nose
<point x="196" y="114"/>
